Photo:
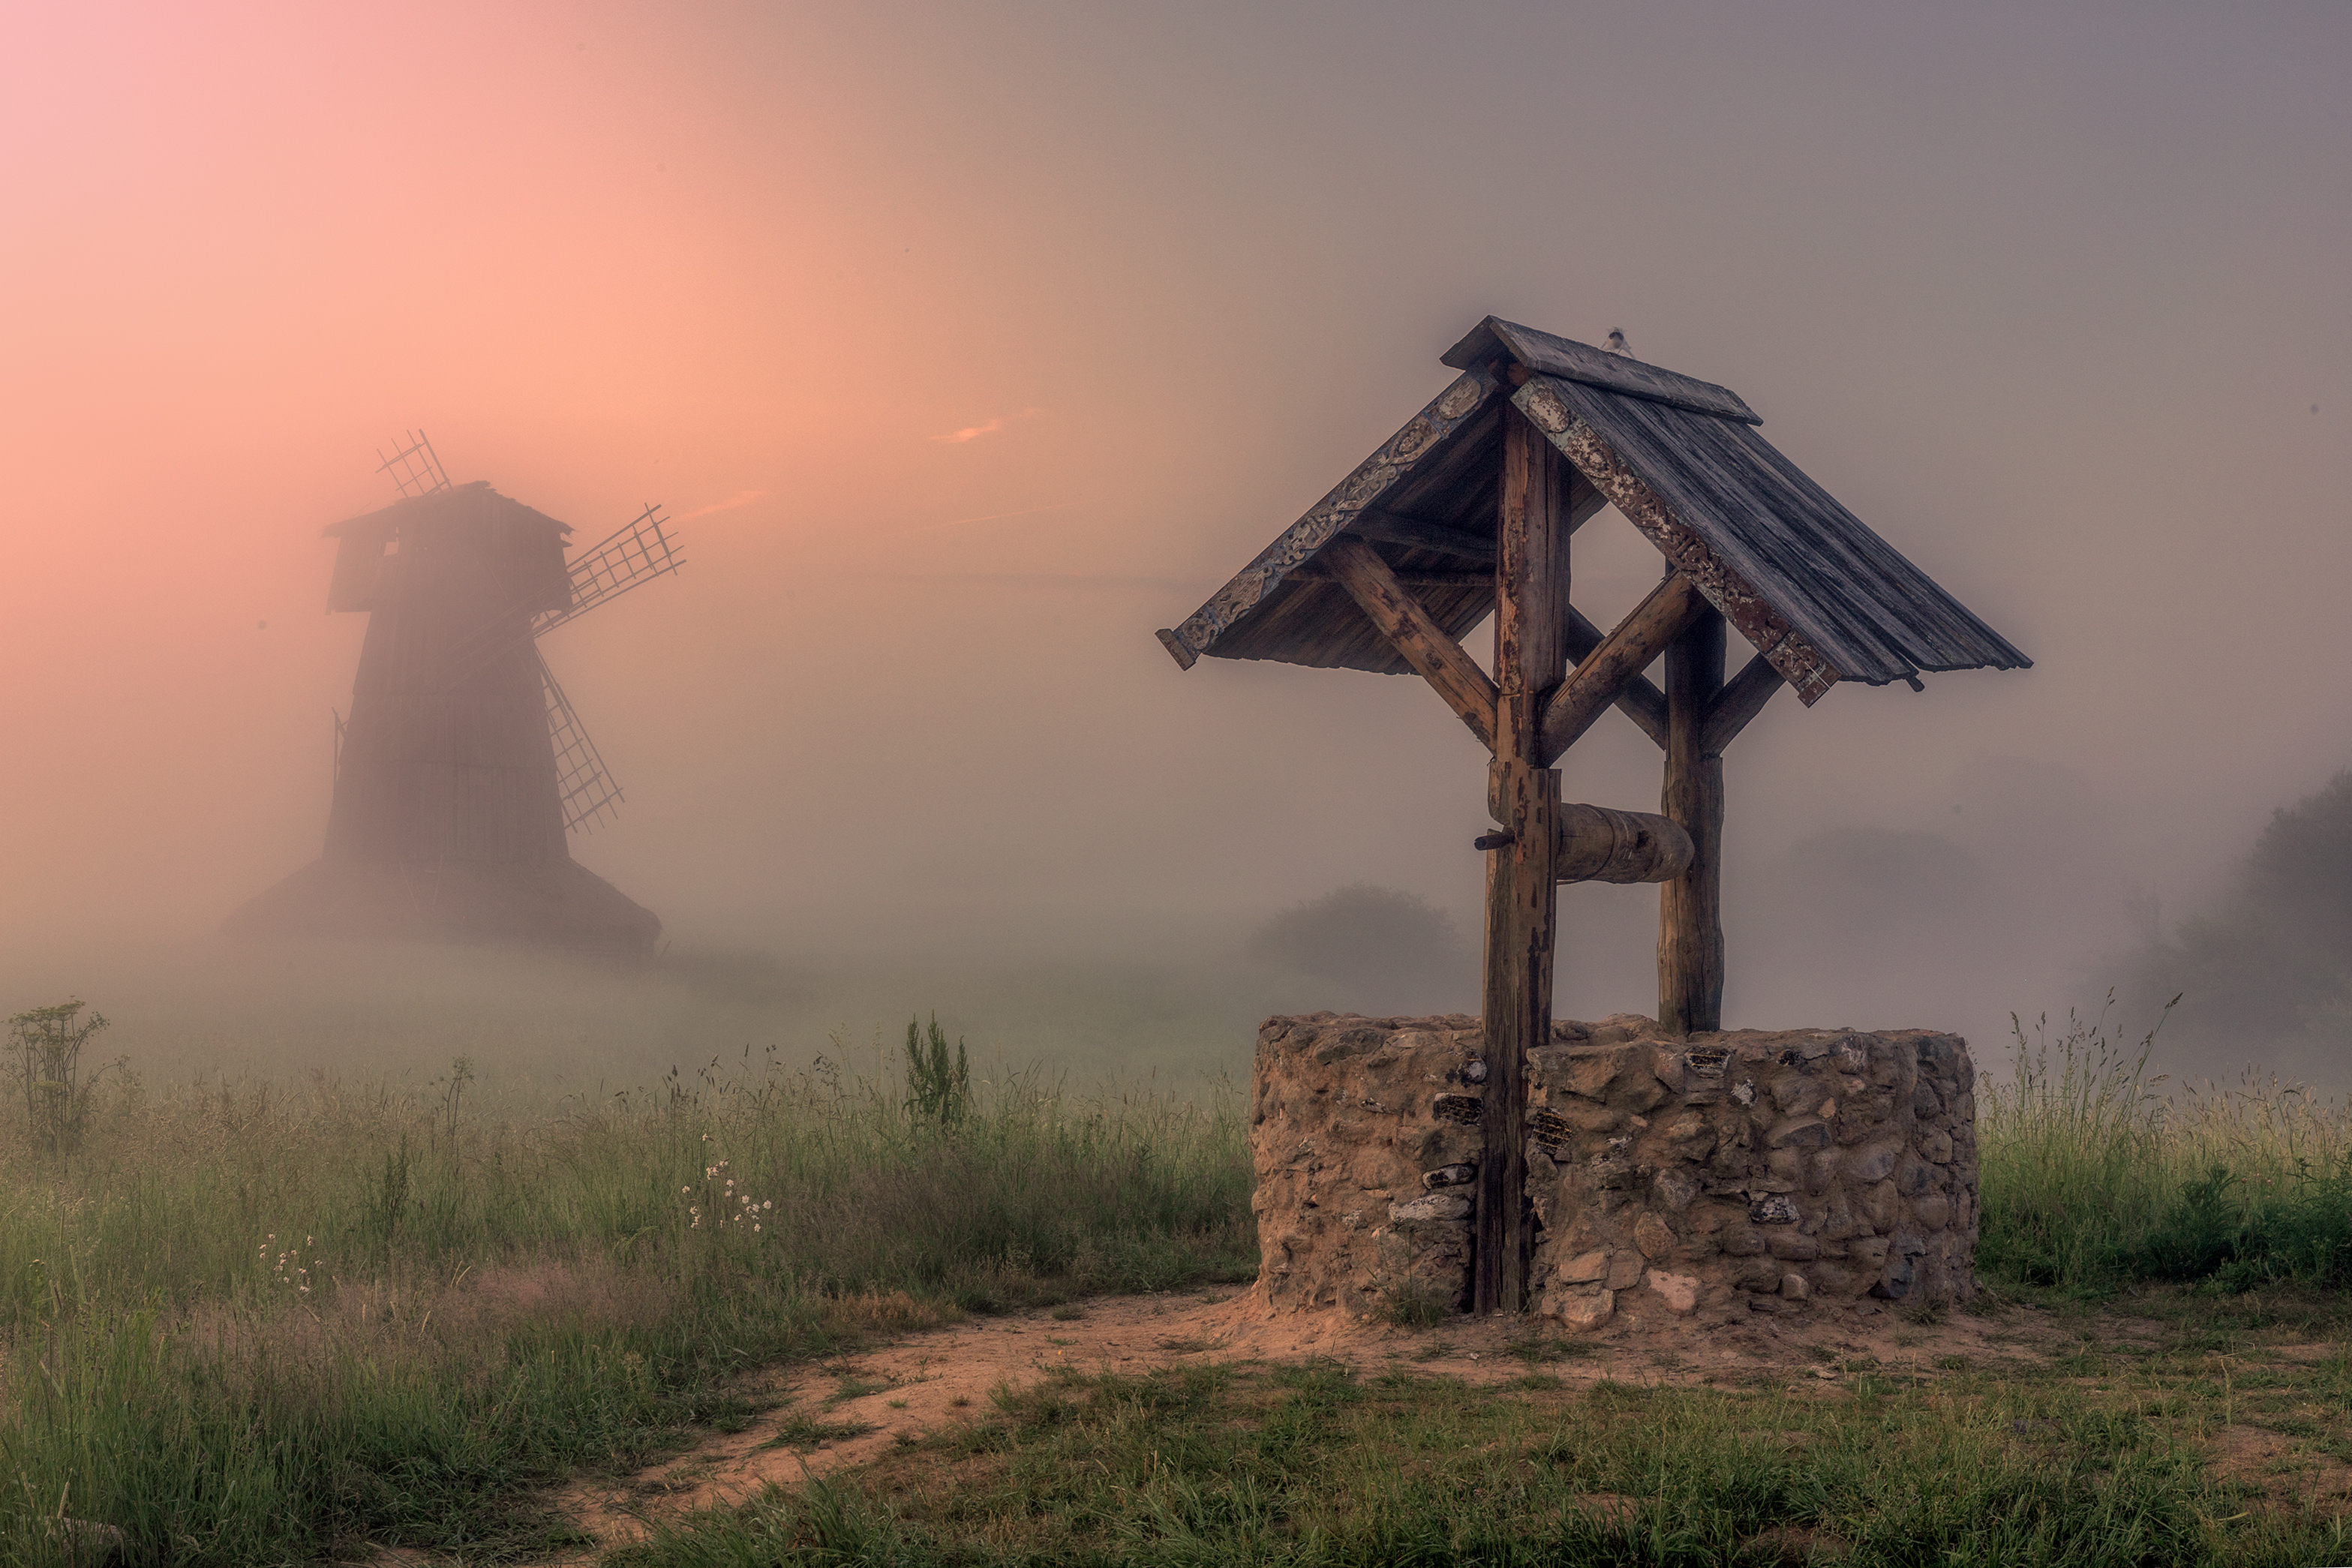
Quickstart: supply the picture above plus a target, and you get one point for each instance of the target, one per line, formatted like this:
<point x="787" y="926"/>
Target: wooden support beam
<point x="1638" y="699"/>
<point x="1522" y="891"/>
<point x="1743" y="697"/>
<point x="1623" y="654"/>
<point x="1441" y="661"/>
<point x="1690" y="908"/>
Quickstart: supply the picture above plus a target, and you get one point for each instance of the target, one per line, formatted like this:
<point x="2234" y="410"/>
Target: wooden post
<point x="1690" y="908"/>
<point x="1522" y="893"/>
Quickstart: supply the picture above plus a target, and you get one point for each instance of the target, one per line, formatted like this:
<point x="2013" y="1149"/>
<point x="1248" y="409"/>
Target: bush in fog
<point x="45" y="1050"/>
<point x="2272" y="960"/>
<point x="1378" y="950"/>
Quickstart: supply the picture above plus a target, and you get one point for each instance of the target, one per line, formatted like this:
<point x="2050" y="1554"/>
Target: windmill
<point x="462" y="768"/>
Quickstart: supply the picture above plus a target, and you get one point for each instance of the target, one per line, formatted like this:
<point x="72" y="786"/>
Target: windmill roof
<point x="1819" y="593"/>
<point x="384" y="522"/>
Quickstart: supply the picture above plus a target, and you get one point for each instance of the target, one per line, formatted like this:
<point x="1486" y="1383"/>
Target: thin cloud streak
<point x="739" y="499"/>
<point x="986" y="427"/>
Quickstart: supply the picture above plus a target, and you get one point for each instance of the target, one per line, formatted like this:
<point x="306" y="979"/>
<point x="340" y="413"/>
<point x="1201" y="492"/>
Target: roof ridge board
<point x="1548" y="353"/>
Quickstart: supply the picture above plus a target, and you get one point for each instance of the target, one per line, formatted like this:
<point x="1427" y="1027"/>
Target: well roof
<point x="1821" y="596"/>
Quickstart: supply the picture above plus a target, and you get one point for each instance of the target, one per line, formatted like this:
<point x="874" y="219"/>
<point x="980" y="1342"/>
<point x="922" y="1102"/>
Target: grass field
<point x="2125" y="1449"/>
<point x="268" y="1323"/>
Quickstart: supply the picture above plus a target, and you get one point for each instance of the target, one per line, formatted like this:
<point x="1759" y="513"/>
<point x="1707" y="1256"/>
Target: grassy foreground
<point x="260" y="1324"/>
<point x="2097" y="1174"/>
<point x="2118" y="1452"/>
<point x="253" y="1326"/>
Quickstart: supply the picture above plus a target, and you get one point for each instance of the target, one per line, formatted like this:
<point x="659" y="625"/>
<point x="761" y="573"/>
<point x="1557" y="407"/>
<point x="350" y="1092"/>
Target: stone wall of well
<point x="1797" y="1172"/>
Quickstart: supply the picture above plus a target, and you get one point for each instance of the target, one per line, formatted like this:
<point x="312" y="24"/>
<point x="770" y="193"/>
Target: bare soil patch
<point x="854" y="1409"/>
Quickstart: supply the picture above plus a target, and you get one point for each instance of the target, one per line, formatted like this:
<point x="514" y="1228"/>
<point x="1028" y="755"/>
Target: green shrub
<point x="2094" y="1177"/>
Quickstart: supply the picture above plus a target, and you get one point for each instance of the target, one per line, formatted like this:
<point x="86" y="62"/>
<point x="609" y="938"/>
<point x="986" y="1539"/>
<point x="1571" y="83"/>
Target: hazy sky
<point x="969" y="345"/>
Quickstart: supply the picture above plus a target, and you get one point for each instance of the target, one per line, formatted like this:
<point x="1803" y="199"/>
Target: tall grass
<point x="2096" y="1172"/>
<point x="246" y="1323"/>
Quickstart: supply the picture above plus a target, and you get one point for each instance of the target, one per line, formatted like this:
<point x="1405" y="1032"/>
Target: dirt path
<point x="844" y="1412"/>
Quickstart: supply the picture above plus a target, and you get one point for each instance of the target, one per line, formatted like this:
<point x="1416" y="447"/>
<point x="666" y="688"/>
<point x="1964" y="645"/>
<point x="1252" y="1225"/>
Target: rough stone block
<point x="1678" y="1291"/>
<point x="1578" y="1310"/>
<point x="1585" y="1269"/>
<point x="1704" y="1170"/>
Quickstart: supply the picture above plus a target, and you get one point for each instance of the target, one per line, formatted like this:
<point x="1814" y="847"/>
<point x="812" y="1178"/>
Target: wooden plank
<point x="1623" y="654"/>
<point x="1638" y="699"/>
<point x="1743" y="697"/>
<point x="1690" y="908"/>
<point x="1546" y="354"/>
<point x="1531" y="571"/>
<point x="1522" y="911"/>
<point x="1531" y="582"/>
<point x="1438" y="658"/>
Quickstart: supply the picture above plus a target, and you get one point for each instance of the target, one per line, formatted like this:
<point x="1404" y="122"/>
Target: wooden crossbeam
<point x="1439" y="659"/>
<point x="1623" y="654"/>
<point x="1639" y="699"/>
<point x="1742" y="697"/>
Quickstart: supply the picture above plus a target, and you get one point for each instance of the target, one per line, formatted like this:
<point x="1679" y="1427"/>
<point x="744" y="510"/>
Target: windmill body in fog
<point x="462" y="769"/>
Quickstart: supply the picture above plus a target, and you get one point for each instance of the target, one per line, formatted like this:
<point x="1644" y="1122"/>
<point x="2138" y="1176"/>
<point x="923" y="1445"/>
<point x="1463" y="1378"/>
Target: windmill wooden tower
<point x="1467" y="512"/>
<point x="462" y="768"/>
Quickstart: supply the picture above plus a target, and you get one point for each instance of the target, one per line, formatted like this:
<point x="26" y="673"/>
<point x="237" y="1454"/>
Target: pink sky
<point x="974" y="346"/>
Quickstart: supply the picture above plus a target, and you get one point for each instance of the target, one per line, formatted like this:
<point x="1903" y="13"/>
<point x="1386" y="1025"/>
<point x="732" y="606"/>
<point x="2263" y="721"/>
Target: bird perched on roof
<point x="1616" y="344"/>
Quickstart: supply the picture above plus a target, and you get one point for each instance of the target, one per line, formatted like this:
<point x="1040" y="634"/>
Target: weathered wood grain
<point x="1690" y="907"/>
<point x="1438" y="658"/>
<point x="1593" y="686"/>
<point x="1546" y="354"/>
<point x="1531" y="582"/>
<point x="1598" y="844"/>
<point x="1743" y="697"/>
<point x="1522" y="906"/>
<point x="1639" y="699"/>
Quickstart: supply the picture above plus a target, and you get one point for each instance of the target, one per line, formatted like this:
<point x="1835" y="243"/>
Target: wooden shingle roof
<point x="1821" y="596"/>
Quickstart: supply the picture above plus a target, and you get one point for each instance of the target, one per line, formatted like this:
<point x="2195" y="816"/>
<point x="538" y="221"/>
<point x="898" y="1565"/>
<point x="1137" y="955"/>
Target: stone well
<point x="1707" y="1177"/>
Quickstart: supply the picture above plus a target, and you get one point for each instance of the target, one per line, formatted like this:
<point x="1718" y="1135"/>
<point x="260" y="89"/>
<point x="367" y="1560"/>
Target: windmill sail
<point x="635" y="555"/>
<point x="414" y="470"/>
<point x="642" y="550"/>
<point x="586" y="790"/>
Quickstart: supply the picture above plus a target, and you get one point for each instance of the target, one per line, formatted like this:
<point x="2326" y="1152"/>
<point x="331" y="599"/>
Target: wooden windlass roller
<point x="1598" y="844"/>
